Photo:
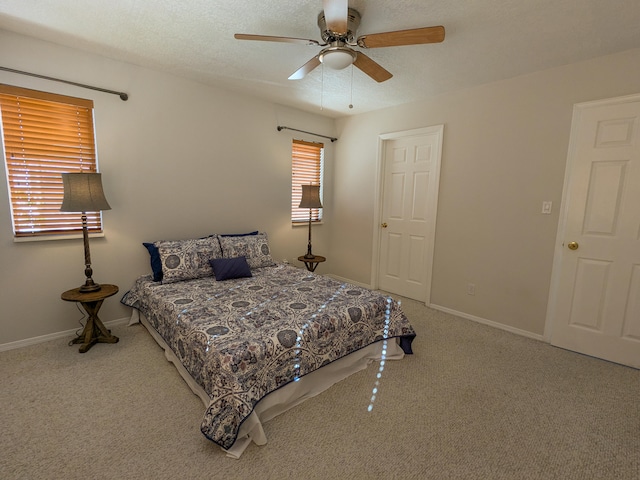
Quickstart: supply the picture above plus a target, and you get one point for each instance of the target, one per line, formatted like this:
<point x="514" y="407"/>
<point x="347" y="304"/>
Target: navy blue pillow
<point x="156" y="261"/>
<point x="239" y="234"/>
<point x="228" y="268"/>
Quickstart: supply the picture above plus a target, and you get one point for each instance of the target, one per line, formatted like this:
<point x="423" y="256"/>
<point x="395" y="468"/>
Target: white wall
<point x="179" y="160"/>
<point x="504" y="153"/>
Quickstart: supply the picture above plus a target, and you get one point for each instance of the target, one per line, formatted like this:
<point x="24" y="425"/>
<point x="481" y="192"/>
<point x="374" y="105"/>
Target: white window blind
<point x="43" y="136"/>
<point x="306" y="161"/>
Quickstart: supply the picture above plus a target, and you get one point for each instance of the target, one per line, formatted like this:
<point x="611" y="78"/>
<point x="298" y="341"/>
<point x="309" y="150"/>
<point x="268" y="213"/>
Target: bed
<point x="253" y="338"/>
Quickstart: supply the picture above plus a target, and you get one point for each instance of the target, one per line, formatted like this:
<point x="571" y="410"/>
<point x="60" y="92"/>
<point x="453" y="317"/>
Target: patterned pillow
<point x="187" y="259"/>
<point x="255" y="248"/>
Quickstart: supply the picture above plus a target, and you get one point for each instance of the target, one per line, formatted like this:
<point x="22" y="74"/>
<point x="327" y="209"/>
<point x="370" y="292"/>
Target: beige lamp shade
<point x="310" y="197"/>
<point x="83" y="193"/>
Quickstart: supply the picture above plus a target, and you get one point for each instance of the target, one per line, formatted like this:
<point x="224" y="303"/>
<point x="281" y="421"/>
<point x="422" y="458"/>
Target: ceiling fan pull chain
<point x="351" y="101"/>
<point x="322" y="89"/>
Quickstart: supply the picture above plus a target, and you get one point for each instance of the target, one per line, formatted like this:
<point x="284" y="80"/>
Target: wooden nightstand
<point x="311" y="263"/>
<point x="94" y="331"/>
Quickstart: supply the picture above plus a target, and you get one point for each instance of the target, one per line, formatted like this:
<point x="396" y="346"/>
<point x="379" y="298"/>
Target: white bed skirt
<point x="286" y="397"/>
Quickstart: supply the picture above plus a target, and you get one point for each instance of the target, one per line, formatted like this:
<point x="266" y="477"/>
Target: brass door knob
<point x="384" y="225"/>
<point x="573" y="245"/>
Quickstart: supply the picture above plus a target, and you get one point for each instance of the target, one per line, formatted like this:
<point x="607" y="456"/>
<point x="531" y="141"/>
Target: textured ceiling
<point x="486" y="40"/>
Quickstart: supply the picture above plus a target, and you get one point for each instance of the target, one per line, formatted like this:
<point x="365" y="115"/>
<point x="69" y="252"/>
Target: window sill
<point x="46" y="238"/>
<point x="305" y="224"/>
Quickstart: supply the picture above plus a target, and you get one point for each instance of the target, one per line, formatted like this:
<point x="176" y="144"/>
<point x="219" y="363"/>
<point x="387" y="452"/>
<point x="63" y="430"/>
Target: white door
<point x="410" y="179"/>
<point x="595" y="307"/>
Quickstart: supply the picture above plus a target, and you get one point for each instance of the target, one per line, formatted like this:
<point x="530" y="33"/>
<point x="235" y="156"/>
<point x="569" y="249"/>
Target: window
<point x="43" y="136"/>
<point x="307" y="163"/>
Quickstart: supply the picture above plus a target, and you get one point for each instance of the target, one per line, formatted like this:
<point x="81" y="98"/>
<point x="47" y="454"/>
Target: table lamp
<point x="83" y="193"/>
<point x="310" y="199"/>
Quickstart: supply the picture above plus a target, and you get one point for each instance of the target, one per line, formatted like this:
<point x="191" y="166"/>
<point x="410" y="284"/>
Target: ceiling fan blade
<point x="371" y="68"/>
<point x="269" y="38"/>
<point x="306" y="68"/>
<point x="335" y="15"/>
<point x="414" y="36"/>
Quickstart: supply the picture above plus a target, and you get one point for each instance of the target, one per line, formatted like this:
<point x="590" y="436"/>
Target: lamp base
<point x="309" y="256"/>
<point x="90" y="286"/>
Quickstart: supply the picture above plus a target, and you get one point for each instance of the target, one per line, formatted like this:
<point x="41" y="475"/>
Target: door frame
<point x="560" y="251"/>
<point x="432" y="198"/>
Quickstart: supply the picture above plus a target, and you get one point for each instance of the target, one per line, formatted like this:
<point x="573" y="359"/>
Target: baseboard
<point x="467" y="316"/>
<point x="346" y="280"/>
<point x="53" y="336"/>
<point x="123" y="321"/>
<point x="490" y="323"/>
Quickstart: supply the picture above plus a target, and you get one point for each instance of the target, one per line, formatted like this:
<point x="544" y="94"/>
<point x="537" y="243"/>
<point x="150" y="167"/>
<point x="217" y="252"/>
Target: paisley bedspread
<point x="241" y="339"/>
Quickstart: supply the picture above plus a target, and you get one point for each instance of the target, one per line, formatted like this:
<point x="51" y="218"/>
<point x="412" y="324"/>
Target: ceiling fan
<point x="338" y="25"/>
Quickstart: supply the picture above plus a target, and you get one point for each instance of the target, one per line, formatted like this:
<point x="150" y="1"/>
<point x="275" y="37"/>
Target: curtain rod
<point x="123" y="96"/>
<point x="333" y="139"/>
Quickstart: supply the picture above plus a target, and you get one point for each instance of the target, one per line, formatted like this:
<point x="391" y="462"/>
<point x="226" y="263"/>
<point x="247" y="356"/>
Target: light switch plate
<point x="546" y="207"/>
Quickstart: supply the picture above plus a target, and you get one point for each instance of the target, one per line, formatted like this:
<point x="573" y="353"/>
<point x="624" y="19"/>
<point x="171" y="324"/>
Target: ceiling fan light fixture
<point x="337" y="58"/>
<point x="338" y="30"/>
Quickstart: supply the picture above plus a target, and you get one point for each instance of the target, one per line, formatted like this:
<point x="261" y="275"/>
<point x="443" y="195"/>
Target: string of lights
<point x="383" y="355"/>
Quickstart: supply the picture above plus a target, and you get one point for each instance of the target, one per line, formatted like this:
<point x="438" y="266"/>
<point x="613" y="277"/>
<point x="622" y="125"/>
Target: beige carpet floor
<point x="473" y="402"/>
